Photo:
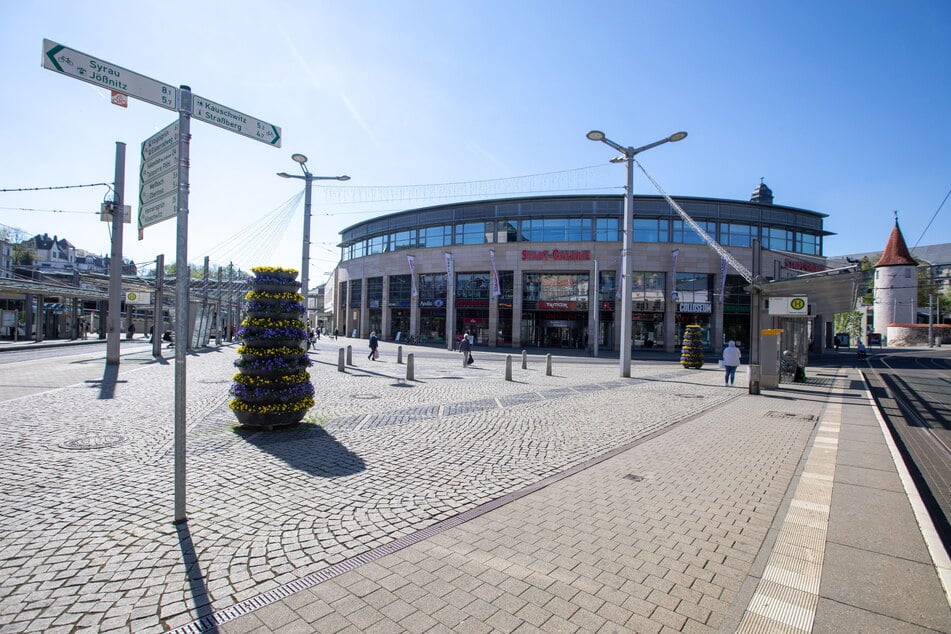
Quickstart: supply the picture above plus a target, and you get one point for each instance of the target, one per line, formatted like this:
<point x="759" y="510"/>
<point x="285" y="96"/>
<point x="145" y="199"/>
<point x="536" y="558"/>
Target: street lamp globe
<point x="597" y="135"/>
<point x="677" y="136"/>
<point x="299" y="158"/>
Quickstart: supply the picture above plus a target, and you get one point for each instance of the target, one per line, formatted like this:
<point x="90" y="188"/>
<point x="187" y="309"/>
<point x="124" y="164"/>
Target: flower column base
<point x="269" y="421"/>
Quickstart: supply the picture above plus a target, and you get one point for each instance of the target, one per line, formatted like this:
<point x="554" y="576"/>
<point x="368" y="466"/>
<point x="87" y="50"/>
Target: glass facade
<point x="737" y="235"/>
<point x="684" y="233"/>
<point x="556" y="230"/>
<point x="650" y="230"/>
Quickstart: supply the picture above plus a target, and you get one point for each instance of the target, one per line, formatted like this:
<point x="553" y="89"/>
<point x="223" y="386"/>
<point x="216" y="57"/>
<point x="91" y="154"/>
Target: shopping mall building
<point x="543" y="271"/>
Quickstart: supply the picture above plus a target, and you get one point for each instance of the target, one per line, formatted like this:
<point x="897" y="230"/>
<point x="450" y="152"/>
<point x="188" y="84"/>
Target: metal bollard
<point x="508" y="367"/>
<point x="465" y="358"/>
<point x="548" y="364"/>
<point x="399" y="355"/>
<point x="410" y="370"/>
<point x="340" y="366"/>
<point x="349" y="355"/>
<point x="524" y="359"/>
<point x="755" y="375"/>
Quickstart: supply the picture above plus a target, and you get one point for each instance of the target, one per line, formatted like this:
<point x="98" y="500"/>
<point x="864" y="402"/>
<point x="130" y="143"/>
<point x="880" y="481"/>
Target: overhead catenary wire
<point x="937" y="211"/>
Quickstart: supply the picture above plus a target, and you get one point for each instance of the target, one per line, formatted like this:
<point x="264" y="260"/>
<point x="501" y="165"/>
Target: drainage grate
<point x="94" y="441"/>
<point x="690" y="395"/>
<point x="366" y="397"/>
<point x="791" y="415"/>
<point x="634" y="477"/>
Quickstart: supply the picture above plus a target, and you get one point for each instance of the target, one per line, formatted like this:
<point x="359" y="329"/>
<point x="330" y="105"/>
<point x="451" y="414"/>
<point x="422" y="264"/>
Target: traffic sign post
<point x="163" y="193"/>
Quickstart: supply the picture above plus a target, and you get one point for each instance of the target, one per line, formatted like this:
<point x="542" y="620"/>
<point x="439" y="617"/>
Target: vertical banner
<point x="722" y="277"/>
<point x="448" y="257"/>
<point x="412" y="274"/>
<point x="496" y="286"/>
<point x="673" y="263"/>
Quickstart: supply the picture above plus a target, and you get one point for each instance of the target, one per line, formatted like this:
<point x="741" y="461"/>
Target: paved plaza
<point x="457" y="501"/>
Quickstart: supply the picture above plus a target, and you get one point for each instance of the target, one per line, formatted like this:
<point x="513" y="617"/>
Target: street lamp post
<point x="308" y="178"/>
<point x="627" y="157"/>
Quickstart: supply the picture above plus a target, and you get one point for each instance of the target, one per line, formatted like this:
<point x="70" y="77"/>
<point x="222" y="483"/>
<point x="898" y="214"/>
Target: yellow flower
<point x="273" y="269"/>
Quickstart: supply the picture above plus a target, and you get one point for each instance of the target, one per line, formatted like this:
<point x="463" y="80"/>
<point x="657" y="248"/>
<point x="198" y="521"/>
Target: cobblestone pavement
<point x="87" y="540"/>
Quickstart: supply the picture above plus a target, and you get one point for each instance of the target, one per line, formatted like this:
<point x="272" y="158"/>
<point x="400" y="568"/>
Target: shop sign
<point x="694" y="307"/>
<point x="557" y="305"/>
<point x="799" y="265"/>
<point x="555" y="254"/>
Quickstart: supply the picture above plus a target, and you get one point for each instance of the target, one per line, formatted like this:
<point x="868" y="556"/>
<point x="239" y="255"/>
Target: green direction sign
<point x="158" y="210"/>
<point x="72" y="63"/>
<point x="230" y="119"/>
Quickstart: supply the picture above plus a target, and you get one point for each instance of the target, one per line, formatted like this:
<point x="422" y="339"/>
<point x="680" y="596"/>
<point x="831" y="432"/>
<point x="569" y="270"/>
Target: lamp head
<point x="677" y="136"/>
<point x="284" y="175"/>
<point x="343" y="178"/>
<point x="299" y="158"/>
<point x="596" y="135"/>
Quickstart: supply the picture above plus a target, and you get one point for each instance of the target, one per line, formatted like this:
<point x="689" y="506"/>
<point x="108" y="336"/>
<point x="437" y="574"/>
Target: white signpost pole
<point x="182" y="313"/>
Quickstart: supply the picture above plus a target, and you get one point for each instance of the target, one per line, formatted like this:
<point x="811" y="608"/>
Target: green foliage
<point x="850" y="323"/>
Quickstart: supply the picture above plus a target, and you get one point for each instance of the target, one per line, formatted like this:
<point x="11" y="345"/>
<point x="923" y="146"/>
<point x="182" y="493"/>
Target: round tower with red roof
<point x="896" y="284"/>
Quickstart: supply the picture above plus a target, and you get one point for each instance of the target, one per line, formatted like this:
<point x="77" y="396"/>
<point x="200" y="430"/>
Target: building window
<point x="435" y="236"/>
<point x="374" y="292"/>
<point x="737" y="235"/>
<point x="807" y="243"/>
<point x="684" y="233"/>
<point x="650" y="230"/>
<point x="694" y="287"/>
<point x="777" y="239"/>
<point x="472" y="285"/>
<point x="607" y="230"/>
<point x="647" y="291"/>
<point x="607" y="286"/>
<point x="507" y="286"/>
<point x="557" y="230"/>
<point x="507" y="231"/>
<point x="404" y="240"/>
<point x="474" y="233"/>
<point x="432" y="289"/>
<point x="550" y="287"/>
<point x="376" y="245"/>
<point x="400" y="290"/>
<point x="356" y="293"/>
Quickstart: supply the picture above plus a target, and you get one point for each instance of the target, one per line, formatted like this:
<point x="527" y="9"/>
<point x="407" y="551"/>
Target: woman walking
<point x="731" y="359"/>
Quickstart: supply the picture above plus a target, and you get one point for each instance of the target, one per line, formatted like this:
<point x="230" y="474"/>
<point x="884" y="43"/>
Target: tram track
<point x="914" y="398"/>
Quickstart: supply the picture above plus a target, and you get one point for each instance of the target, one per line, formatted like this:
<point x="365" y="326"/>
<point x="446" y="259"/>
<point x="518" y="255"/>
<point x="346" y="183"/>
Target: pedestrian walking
<point x="731" y="360"/>
<point x="374" y="347"/>
<point x="336" y="332"/>
<point x="465" y="347"/>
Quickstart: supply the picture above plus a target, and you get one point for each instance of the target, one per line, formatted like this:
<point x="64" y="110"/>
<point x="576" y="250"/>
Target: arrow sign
<point x="72" y="63"/>
<point x="230" y="119"/>
<point x="159" y="187"/>
<point x="158" y="210"/>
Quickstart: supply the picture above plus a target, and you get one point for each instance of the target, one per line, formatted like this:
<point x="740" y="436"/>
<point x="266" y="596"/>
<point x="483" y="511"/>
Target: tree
<point x="850" y="323"/>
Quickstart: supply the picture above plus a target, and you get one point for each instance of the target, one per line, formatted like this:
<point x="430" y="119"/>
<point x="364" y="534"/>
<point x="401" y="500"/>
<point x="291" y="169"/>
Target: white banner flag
<point x="448" y="257"/>
<point x="722" y="277"/>
<point x="412" y="274"/>
<point x="496" y="286"/>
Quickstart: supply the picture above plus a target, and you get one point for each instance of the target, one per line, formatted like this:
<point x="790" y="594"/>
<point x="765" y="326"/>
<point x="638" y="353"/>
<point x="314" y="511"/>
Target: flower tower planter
<point x="691" y="352"/>
<point x="272" y="387"/>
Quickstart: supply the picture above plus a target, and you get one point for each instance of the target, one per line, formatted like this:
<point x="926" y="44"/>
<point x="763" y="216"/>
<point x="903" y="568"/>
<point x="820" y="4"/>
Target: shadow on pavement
<point x="196" y="578"/>
<point x="306" y="447"/>
<point x="107" y="384"/>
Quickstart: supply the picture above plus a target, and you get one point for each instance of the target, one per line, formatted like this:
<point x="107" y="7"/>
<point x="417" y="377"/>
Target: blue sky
<point x="841" y="107"/>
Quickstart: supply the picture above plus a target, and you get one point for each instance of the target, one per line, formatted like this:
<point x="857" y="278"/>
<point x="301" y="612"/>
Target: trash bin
<point x="754" y="379"/>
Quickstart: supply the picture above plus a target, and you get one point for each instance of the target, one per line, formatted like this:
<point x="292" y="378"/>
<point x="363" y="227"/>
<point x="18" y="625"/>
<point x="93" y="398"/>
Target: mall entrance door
<point x="562" y="333"/>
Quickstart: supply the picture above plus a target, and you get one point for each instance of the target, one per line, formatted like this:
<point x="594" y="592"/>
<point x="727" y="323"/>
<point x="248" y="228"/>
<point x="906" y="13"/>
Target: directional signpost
<point x="71" y="62"/>
<point x="224" y="117"/>
<point x="164" y="187"/>
<point x="159" y="176"/>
